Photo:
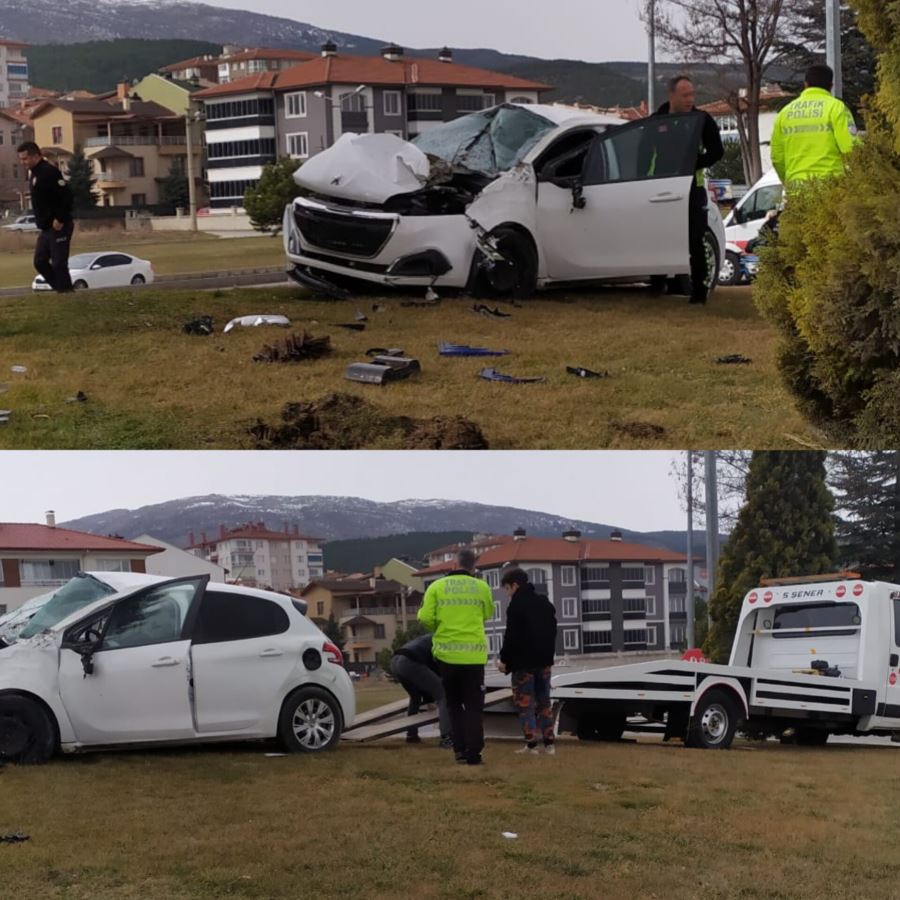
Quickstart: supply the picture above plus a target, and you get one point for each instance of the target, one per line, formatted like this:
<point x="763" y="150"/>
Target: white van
<point x="747" y="218"/>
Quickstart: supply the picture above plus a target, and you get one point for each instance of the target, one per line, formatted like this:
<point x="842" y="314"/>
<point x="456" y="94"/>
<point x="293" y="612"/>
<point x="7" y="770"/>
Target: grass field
<point x="391" y="820"/>
<point x="171" y="254"/>
<point x="150" y="386"/>
<point x="374" y="692"/>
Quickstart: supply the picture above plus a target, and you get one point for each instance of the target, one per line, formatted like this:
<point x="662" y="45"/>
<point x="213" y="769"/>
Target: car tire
<point x="80" y="285"/>
<point x="730" y="272"/>
<point x="311" y="721"/>
<point x="714" y="722"/>
<point x="516" y="280"/>
<point x="138" y="279"/>
<point x="27" y="733"/>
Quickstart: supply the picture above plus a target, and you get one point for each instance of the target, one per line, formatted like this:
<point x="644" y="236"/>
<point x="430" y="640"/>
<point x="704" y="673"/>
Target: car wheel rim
<point x="714" y="724"/>
<point x="712" y="260"/>
<point x="726" y="273"/>
<point x="13" y="737"/>
<point x="313" y="724"/>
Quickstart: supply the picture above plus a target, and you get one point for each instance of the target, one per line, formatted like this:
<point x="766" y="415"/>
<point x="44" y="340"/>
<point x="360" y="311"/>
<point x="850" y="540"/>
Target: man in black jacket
<point x="681" y="103"/>
<point x="415" y="668"/>
<point x="529" y="645"/>
<point x="51" y="200"/>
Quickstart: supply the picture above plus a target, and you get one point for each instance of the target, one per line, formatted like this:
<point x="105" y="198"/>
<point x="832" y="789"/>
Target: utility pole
<point x="689" y="601"/>
<point x="651" y="61"/>
<point x="833" y="44"/>
<point x="712" y="520"/>
<point x="192" y="187"/>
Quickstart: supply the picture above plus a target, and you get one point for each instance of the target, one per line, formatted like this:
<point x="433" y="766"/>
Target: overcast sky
<point x="594" y="30"/>
<point x="632" y="489"/>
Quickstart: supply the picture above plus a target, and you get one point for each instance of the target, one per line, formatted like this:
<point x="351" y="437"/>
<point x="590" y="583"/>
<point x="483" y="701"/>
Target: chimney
<point x="519" y="534"/>
<point x="122" y="89"/>
<point x="572" y="535"/>
<point x="191" y="540"/>
<point x="51" y="518"/>
<point x="203" y="537"/>
<point x="221" y="532"/>
<point x="616" y="536"/>
<point x="126" y="103"/>
<point x="446" y="55"/>
<point x="392" y="52"/>
<point x="329" y="48"/>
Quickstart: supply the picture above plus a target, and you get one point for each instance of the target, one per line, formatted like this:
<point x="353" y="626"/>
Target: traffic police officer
<point x="455" y="609"/>
<point x="51" y="200"/>
<point x="813" y="133"/>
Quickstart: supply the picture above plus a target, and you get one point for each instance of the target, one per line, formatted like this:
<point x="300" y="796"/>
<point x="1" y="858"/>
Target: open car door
<point x="625" y="211"/>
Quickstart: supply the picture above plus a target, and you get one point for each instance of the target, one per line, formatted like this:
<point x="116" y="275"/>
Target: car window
<point x="763" y="201"/>
<point x="238" y="617"/>
<point x="566" y="158"/>
<point x="81" y="260"/>
<point x="74" y="595"/>
<point x="658" y="147"/>
<point x="117" y="259"/>
<point x="803" y="621"/>
<point x="154" y="617"/>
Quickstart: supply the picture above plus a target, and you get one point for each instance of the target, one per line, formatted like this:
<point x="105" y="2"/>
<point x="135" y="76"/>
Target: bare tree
<point x="728" y="34"/>
<point x="732" y="467"/>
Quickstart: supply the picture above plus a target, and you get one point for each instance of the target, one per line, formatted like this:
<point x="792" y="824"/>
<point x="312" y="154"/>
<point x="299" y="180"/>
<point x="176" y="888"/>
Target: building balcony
<point x="108" y="181"/>
<point x="677" y="615"/>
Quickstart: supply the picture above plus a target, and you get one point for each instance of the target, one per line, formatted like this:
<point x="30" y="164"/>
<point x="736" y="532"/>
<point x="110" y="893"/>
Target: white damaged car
<point x="503" y="202"/>
<point x="173" y="661"/>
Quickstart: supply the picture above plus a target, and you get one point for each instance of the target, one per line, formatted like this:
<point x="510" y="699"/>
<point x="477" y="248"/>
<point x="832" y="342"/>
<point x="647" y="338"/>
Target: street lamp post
<point x="712" y="520"/>
<point x="191" y="116"/>
<point x="833" y="44"/>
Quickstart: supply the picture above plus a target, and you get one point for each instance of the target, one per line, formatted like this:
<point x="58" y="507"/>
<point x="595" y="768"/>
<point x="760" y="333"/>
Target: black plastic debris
<point x="351" y="326"/>
<point x="496" y="312"/>
<point x="581" y="372"/>
<point x="383" y="370"/>
<point x="296" y="348"/>
<point x="377" y="307"/>
<point x="80" y="397"/>
<point x="422" y="303"/>
<point x="385" y="351"/>
<point x="14" y="837"/>
<point x="202" y="325"/>
<point x="734" y="359"/>
<point x="446" y="349"/>
<point x="494" y="375"/>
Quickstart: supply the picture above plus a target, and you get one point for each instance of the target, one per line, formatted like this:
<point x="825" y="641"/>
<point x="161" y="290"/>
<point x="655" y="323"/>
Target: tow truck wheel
<point x="26" y="733"/>
<point x="714" y="722"/>
<point x="597" y="727"/>
<point x="517" y="276"/>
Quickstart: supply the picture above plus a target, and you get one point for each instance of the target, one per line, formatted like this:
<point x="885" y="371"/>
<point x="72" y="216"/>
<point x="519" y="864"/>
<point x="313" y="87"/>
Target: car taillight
<point x="333" y="654"/>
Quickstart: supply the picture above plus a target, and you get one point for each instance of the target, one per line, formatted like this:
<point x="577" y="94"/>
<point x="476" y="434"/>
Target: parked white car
<point x="744" y="222"/>
<point x="176" y="661"/>
<point x="22" y="223"/>
<point x="103" y="270"/>
<point x="503" y="201"/>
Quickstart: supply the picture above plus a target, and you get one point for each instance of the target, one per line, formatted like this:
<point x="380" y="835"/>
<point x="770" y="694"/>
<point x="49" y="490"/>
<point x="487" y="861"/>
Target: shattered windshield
<point x="81" y="591"/>
<point x="488" y="142"/>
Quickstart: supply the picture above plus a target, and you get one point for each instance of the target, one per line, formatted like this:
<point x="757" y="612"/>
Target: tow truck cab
<point x="810" y="658"/>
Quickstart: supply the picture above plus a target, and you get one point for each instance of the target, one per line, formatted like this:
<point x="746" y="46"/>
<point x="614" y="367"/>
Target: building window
<point x="650" y="605"/>
<point x="676" y="603"/>
<point x="313" y="558"/>
<point x="112" y="565"/>
<point x="474" y="102"/>
<point x="353" y="102"/>
<point x="570" y="639"/>
<point x="633" y="573"/>
<point x="536" y="576"/>
<point x="635" y="638"/>
<point x="393" y="105"/>
<point x="649" y="575"/>
<point x="47" y="571"/>
<point x="594" y="573"/>
<point x="521" y="100"/>
<point x="634" y="605"/>
<point x="298" y="145"/>
<point x="229" y="190"/>
<point x="597" y="641"/>
<point x="568" y="576"/>
<point x="677" y="576"/>
<point x="136" y="167"/>
<point x="595" y="606"/>
<point x="570" y="607"/>
<point x="426" y="102"/>
<point x="240" y="109"/>
<point x="492" y="577"/>
<point x="651" y="635"/>
<point x="379" y="631"/>
<point x="236" y="149"/>
<point x="17" y="70"/>
<point x="679" y="635"/>
<point x="497" y="614"/>
<point x="138" y="200"/>
<point x="320" y="607"/>
<point x="57" y="135"/>
<point x="295" y="105"/>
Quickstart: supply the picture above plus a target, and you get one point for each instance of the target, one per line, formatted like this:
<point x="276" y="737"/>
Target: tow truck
<point x="811" y="657"/>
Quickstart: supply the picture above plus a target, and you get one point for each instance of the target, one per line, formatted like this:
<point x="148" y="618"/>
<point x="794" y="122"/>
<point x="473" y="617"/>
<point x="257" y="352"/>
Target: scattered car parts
<point x="733" y="359"/>
<point x="494" y="375"/>
<point x="581" y="372"/>
<point x="15" y="837"/>
<point x="497" y="313"/>
<point x="446" y="349"/>
<point x="256" y="321"/>
<point x="383" y="370"/>
<point x="202" y="325"/>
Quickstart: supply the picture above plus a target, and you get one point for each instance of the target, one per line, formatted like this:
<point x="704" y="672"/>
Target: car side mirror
<point x="95" y="266"/>
<point x="578" y="199"/>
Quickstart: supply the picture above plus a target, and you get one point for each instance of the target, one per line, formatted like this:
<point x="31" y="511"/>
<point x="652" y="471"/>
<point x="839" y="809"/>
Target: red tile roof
<point x="196" y="62"/>
<point x="17" y="44"/>
<point x="773" y="97"/>
<point x="257" y="532"/>
<point x="585" y="550"/>
<point x="29" y="536"/>
<point x="353" y="70"/>
<point x="262" y="81"/>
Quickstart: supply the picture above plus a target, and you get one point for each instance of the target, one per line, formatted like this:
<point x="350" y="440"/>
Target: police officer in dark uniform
<point x="51" y="200"/>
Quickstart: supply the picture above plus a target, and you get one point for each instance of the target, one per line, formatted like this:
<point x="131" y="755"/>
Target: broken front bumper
<point x="385" y="248"/>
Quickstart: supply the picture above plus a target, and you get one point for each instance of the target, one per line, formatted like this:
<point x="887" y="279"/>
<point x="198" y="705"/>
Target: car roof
<point x="570" y="115"/>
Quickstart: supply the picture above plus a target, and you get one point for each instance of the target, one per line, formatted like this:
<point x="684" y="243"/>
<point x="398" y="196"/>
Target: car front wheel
<point x="514" y="276"/>
<point x="27" y="734"/>
<point x="310" y="721"/>
<point x="80" y="285"/>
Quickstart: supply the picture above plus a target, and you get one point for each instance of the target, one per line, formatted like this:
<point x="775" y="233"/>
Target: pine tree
<point x="785" y="528"/>
<point x="80" y="173"/>
<point x="265" y="201"/>
<point x="173" y="188"/>
<point x="868" y="496"/>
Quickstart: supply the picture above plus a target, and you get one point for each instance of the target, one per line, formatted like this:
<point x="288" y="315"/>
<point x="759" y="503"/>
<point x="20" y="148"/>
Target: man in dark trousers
<point x="51" y="200"/>
<point x="415" y="668"/>
<point x="529" y="645"/>
<point x="681" y="103"/>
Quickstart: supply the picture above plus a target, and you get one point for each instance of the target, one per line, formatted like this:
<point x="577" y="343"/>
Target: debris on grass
<point x="581" y="372"/>
<point x="733" y="359"/>
<point x="202" y="325"/>
<point x="14" y="837"/>
<point x="509" y="835"/>
<point x="361" y="316"/>
<point x="351" y="326"/>
<point x="496" y="312"/>
<point x="428" y="301"/>
<point x="296" y="348"/>
<point x="256" y="321"/>
<point x="4" y="416"/>
<point x="494" y="375"/>
<point x="80" y="397"/>
<point x="638" y="430"/>
<point x="19" y="370"/>
<point x="346" y="422"/>
<point x="385" y="351"/>
<point x="446" y="349"/>
<point x="383" y="370"/>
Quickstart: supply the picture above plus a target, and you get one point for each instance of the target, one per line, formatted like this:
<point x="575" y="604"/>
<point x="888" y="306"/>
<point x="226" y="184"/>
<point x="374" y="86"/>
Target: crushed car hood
<point x="365" y="167"/>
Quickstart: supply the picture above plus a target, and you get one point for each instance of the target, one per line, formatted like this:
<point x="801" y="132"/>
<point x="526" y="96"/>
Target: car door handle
<point x="272" y="653"/>
<point x="667" y="198"/>
<point x="166" y="661"/>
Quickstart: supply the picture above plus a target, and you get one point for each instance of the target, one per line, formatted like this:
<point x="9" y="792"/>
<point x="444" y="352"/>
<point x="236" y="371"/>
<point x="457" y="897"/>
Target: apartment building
<point x="256" y="556"/>
<point x="37" y="558"/>
<point x="300" y="111"/>
<point x="369" y="611"/>
<point x="235" y="63"/>
<point x="443" y="559"/>
<point x="15" y="127"/>
<point x="13" y="72"/>
<point x="133" y="144"/>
